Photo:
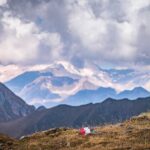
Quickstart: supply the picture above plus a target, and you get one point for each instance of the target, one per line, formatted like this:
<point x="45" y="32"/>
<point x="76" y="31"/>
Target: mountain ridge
<point x="103" y="93"/>
<point x="12" y="106"/>
<point x="109" y="111"/>
<point x="65" y="80"/>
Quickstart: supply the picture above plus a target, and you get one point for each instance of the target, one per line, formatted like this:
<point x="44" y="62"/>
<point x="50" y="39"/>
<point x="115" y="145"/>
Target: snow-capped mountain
<point x="62" y="82"/>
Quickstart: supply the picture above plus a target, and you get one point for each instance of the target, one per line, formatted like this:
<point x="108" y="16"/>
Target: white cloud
<point x="10" y="71"/>
<point x="113" y="34"/>
<point x="52" y="40"/>
<point x="19" y="40"/>
<point x="84" y="25"/>
<point x="22" y="40"/>
<point x="3" y="2"/>
<point x="102" y="31"/>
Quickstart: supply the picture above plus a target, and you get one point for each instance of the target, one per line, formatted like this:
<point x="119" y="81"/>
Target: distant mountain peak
<point x="41" y="108"/>
<point x="137" y="92"/>
<point x="139" y="89"/>
<point x="109" y="100"/>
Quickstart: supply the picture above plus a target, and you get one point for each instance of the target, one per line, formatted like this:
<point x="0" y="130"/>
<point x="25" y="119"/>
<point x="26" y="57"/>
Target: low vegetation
<point x="133" y="134"/>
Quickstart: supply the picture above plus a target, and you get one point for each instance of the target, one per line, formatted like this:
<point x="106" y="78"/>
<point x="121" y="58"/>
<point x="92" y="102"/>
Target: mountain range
<point x="63" y="83"/>
<point x="108" y="112"/>
<point x="100" y="94"/>
<point x="18" y="118"/>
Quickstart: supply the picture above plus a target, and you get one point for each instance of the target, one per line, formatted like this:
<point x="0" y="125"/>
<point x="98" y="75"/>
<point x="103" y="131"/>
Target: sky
<point x="110" y="33"/>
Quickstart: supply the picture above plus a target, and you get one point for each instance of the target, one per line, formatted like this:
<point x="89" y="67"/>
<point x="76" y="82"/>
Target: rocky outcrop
<point x="12" y="106"/>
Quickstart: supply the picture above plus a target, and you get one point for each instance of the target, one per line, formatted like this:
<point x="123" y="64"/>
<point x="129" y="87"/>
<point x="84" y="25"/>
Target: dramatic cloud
<point x="112" y="34"/>
<point x="102" y="31"/>
<point x="3" y="2"/>
<point x="22" y="42"/>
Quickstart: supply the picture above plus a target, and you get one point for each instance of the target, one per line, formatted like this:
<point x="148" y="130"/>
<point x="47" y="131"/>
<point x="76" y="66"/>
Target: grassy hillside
<point x="132" y="134"/>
